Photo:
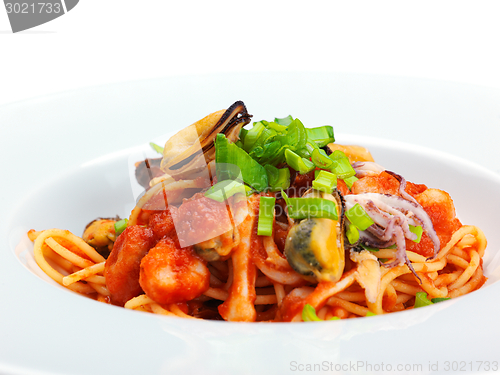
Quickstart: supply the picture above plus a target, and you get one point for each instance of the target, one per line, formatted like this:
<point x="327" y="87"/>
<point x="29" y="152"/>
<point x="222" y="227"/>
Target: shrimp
<point x="440" y="208"/>
<point x="171" y="274"/>
<point x="123" y="264"/>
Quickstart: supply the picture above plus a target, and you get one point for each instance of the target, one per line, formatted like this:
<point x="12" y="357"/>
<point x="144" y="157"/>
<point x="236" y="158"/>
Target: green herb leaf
<point x="157" y="148"/>
<point x="302" y="208"/>
<point x="358" y="216"/>
<point x="422" y="300"/>
<point x="266" y="216"/>
<point x="325" y="181"/>
<point x="440" y="299"/>
<point x="418" y="230"/>
<point x="232" y="162"/>
<point x="222" y="190"/>
<point x="120" y="226"/>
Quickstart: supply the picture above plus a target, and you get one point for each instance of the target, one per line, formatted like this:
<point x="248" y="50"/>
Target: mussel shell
<point x="301" y="246"/>
<point x="192" y="148"/>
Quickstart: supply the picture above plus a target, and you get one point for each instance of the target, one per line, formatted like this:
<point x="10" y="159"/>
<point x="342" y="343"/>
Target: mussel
<point x="314" y="247"/>
<point x="192" y="148"/>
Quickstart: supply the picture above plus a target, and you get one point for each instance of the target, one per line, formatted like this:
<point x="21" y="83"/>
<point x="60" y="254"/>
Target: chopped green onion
<point x="369" y="248"/>
<point x="252" y="135"/>
<point x="309" y="314"/>
<point x="325" y="181"/>
<point x="369" y="313"/>
<point x="224" y="189"/>
<point x="243" y="133"/>
<point x="284" y="121"/>
<point x="321" y="135"/>
<point x="440" y="299"/>
<point x="296" y="135"/>
<point x="266" y="151"/>
<point x="305" y="152"/>
<point x="320" y="159"/>
<point x="421" y="300"/>
<point x="120" y="226"/>
<point x="272" y="173"/>
<point x="350" y="180"/>
<point x="279" y="179"/>
<point x="352" y="234"/>
<point x="358" y="216"/>
<point x="342" y="168"/>
<point x="266" y="136"/>
<point x="157" y="148"/>
<point x="418" y="230"/>
<point x="249" y="191"/>
<point x="266" y="216"/>
<point x="337" y="155"/>
<point x="375" y="248"/>
<point x="275" y="126"/>
<point x="233" y="162"/>
<point x="301" y="208"/>
<point x="301" y="165"/>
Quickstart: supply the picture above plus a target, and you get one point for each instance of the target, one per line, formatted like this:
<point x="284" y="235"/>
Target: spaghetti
<point x="168" y="260"/>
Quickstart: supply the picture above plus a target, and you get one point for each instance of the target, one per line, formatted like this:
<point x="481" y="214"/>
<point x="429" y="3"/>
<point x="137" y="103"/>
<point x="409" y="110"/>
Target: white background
<point x="105" y="41"/>
<point x="102" y="41"/>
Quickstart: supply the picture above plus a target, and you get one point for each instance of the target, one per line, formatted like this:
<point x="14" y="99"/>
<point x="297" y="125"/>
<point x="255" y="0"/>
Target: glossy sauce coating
<point x="170" y="274"/>
<point x="123" y="264"/>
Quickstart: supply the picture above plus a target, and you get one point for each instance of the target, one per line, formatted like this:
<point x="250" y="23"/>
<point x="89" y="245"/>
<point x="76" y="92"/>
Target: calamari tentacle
<point x="396" y="205"/>
<point x="367" y="168"/>
<point x="401" y="257"/>
<point x="402" y="186"/>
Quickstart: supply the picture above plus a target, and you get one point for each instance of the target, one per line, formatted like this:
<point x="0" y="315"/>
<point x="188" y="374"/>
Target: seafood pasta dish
<point x="269" y="221"/>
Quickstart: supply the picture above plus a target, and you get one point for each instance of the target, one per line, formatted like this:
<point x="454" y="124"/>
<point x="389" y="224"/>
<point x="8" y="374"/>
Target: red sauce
<point x="161" y="223"/>
<point x="170" y="274"/>
<point x="200" y="219"/>
<point x="123" y="264"/>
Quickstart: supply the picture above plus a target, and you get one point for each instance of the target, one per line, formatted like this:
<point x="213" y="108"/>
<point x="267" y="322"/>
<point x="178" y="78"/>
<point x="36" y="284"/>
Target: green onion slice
<point x="324" y="181"/>
<point x="358" y="216"/>
<point x="321" y="135"/>
<point x="320" y="159"/>
<point x="440" y="299"/>
<point x="157" y="148"/>
<point x="309" y="314"/>
<point x="284" y="121"/>
<point x="120" y="226"/>
<point x="222" y="190"/>
<point x="296" y="135"/>
<point x="243" y="133"/>
<point x="279" y="179"/>
<point x="249" y="191"/>
<point x="301" y="165"/>
<point x="369" y="313"/>
<point x="266" y="216"/>
<point x="369" y="248"/>
<point x="418" y="230"/>
<point x="342" y="168"/>
<point x="302" y="208"/>
<point x="233" y="162"/>
<point x="422" y="300"/>
<point x="252" y="135"/>
<point x="352" y="234"/>
<point x="350" y="180"/>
